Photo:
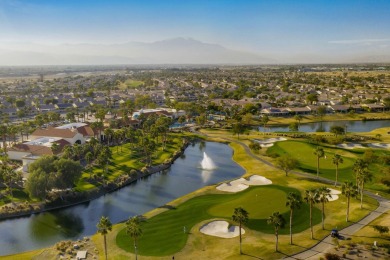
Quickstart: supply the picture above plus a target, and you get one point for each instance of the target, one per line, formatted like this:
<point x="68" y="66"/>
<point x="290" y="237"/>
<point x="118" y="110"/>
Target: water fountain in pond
<point x="207" y="163"/>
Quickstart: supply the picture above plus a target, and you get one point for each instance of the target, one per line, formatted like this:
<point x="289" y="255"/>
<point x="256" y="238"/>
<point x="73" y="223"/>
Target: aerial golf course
<point x="162" y="228"/>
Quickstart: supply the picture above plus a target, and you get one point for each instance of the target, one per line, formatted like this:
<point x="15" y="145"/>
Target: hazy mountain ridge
<point x="173" y="51"/>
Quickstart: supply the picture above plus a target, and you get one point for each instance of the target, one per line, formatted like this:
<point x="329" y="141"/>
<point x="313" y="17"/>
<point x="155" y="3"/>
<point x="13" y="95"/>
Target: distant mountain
<point x="172" y="51"/>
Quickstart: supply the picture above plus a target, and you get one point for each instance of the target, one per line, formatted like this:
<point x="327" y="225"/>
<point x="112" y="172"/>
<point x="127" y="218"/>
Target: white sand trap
<point x="257" y="180"/>
<point x="232" y="188"/>
<point x="242" y="184"/>
<point x="270" y="140"/>
<point x="380" y="145"/>
<point x="221" y="228"/>
<point x="334" y="194"/>
<point x="350" y="146"/>
<point x="266" y="145"/>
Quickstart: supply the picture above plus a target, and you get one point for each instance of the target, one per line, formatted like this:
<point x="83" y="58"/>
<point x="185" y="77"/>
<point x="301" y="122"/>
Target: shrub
<point x="330" y="256"/>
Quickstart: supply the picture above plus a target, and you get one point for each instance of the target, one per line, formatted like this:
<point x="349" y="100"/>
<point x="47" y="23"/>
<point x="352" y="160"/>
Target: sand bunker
<point x="380" y="145"/>
<point x="270" y="140"/>
<point x="221" y="228"/>
<point x="242" y="184"/>
<point x="334" y="194"/>
<point x="350" y="146"/>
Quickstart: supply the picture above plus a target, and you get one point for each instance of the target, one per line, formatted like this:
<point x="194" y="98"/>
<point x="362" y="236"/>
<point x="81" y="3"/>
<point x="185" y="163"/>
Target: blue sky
<point x="261" y="26"/>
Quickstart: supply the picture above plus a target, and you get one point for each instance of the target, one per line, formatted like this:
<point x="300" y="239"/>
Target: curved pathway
<point x="326" y="243"/>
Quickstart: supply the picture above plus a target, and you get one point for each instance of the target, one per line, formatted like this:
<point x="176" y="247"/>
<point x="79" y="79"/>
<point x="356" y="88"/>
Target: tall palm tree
<point x="240" y="216"/>
<point x="319" y="152"/>
<point x="278" y="221"/>
<point x="358" y="167"/>
<point x="324" y="195"/>
<point x="363" y="176"/>
<point x="104" y="226"/>
<point x="337" y="159"/>
<point x="89" y="158"/>
<point x="133" y="229"/>
<point x="311" y="197"/>
<point x="294" y="201"/>
<point x="349" y="190"/>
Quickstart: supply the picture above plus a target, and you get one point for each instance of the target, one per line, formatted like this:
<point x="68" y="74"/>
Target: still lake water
<point x="185" y="175"/>
<point x="352" y="126"/>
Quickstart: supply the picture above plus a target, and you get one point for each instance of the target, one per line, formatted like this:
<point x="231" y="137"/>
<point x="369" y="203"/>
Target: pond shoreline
<point x="312" y="121"/>
<point x="121" y="182"/>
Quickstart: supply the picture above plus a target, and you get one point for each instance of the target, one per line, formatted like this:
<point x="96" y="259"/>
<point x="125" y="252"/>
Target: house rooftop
<point x="71" y="126"/>
<point x="43" y="141"/>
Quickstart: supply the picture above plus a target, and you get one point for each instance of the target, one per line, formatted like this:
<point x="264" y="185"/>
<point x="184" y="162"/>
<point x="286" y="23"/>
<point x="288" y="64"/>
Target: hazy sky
<point x="262" y="26"/>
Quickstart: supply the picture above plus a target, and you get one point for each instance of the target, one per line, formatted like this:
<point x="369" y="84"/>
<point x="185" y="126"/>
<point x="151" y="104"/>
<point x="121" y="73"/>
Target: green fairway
<point x="163" y="234"/>
<point x="304" y="153"/>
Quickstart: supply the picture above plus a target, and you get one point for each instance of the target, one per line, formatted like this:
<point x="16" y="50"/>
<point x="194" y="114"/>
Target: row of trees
<point x="294" y="201"/>
<point x="133" y="229"/>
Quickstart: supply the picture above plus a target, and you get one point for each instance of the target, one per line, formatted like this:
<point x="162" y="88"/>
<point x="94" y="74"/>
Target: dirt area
<point x="361" y="251"/>
<point x="68" y="250"/>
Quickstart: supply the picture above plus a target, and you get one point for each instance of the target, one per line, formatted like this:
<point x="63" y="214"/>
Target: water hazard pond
<point x="185" y="176"/>
<point x="350" y="125"/>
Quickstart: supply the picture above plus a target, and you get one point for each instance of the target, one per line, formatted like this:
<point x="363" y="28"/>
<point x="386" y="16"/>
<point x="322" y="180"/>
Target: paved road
<point x="325" y="244"/>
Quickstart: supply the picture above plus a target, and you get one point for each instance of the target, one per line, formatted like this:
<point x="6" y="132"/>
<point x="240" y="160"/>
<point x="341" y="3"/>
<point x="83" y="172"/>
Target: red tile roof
<point x="55" y="132"/>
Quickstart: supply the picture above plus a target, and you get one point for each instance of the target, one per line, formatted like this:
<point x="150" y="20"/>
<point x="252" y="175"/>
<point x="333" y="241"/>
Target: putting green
<point x="163" y="234"/>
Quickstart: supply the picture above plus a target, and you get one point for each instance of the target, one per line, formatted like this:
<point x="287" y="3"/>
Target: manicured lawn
<point x="163" y="234"/>
<point x="303" y="152"/>
<point x="124" y="159"/>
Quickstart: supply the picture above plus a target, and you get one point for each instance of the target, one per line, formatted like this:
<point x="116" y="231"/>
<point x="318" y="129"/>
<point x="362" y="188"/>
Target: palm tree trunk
<point x="347" y="208"/>
<point x="277" y="239"/>
<point x="135" y="249"/>
<point x="323" y="214"/>
<point x="105" y="246"/>
<point x="239" y="231"/>
<point x="318" y="166"/>
<point x="337" y="174"/>
<point x="311" y="222"/>
<point x="291" y="215"/>
<point x="361" y="195"/>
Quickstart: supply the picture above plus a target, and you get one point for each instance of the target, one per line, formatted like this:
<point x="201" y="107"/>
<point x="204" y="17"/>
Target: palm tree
<point x="264" y="121"/>
<point x="363" y="175"/>
<point x="278" y="221"/>
<point x="240" y="216"/>
<point x="358" y="167"/>
<point x="294" y="201"/>
<point x="319" y="152"/>
<point x="133" y="229"/>
<point x="298" y="118"/>
<point x="349" y="190"/>
<point x="337" y="159"/>
<point x="104" y="226"/>
<point x="324" y="195"/>
<point x="55" y="147"/>
<point x="108" y="133"/>
<point x="89" y="158"/>
<point x="311" y="197"/>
